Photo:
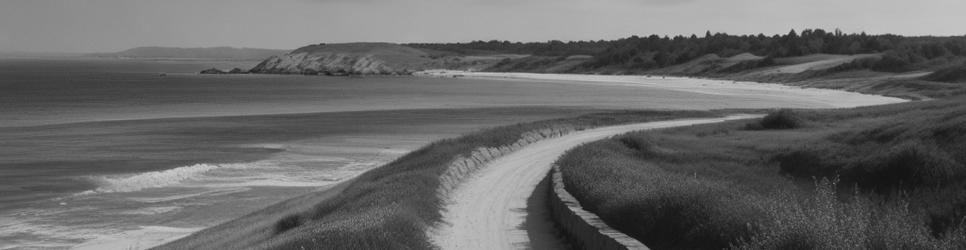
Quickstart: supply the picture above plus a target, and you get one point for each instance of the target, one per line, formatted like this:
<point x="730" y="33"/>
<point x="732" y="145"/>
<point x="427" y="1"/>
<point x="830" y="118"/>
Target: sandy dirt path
<point x="490" y="210"/>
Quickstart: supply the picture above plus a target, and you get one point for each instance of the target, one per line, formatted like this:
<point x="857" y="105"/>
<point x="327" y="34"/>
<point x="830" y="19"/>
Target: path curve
<point x="488" y="211"/>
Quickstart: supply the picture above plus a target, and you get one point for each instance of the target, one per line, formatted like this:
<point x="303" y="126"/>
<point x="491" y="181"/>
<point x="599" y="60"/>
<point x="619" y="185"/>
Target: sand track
<point x="489" y="210"/>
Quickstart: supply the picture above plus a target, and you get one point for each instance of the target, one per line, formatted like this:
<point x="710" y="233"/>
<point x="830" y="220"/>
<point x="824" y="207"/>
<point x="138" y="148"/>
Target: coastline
<point x="834" y="98"/>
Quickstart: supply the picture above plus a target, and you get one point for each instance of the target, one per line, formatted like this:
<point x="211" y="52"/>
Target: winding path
<point x="490" y="210"/>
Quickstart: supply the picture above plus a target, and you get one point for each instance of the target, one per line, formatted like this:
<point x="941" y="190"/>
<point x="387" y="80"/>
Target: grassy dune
<point x="885" y="177"/>
<point x="954" y="74"/>
<point x="387" y="208"/>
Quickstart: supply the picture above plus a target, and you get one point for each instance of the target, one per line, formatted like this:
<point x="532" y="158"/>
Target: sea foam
<point x="156" y="179"/>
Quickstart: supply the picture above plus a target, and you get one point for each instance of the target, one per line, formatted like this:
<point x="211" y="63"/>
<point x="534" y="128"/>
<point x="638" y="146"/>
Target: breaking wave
<point x="107" y="184"/>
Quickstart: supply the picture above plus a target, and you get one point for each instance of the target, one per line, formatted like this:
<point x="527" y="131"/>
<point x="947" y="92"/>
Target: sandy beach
<point x="833" y="98"/>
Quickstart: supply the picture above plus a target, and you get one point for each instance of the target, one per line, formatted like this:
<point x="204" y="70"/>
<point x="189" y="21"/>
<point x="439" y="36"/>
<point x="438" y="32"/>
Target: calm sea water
<point x="93" y="150"/>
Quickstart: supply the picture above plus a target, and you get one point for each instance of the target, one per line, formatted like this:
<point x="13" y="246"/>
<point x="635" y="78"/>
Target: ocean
<point x="97" y="150"/>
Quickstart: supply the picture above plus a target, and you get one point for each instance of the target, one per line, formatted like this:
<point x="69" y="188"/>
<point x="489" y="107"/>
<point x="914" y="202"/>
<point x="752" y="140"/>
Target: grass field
<point x="884" y="177"/>
<point x="392" y="207"/>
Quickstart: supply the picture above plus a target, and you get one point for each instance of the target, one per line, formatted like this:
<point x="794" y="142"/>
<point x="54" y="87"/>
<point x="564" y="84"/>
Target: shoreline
<point x="140" y="235"/>
<point x="832" y="97"/>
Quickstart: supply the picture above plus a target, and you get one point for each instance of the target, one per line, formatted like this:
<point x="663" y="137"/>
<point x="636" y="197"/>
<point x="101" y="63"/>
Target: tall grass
<point x="663" y="209"/>
<point x="888" y="177"/>
<point x="827" y="221"/>
<point x="391" y="207"/>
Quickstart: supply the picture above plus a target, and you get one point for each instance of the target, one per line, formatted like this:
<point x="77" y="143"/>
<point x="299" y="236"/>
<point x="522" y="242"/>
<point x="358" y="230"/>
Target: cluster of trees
<point x="901" y="53"/>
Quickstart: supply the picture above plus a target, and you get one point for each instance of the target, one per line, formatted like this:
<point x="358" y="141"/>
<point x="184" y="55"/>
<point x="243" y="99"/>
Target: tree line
<point x="900" y="53"/>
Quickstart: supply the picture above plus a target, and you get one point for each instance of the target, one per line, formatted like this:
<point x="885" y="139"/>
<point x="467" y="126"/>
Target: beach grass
<point x="882" y="177"/>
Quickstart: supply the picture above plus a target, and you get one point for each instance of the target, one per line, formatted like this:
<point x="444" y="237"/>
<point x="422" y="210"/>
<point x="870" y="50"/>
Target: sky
<point x="81" y="26"/>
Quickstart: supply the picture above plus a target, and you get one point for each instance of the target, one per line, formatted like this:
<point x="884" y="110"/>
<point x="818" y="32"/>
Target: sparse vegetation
<point x="886" y="177"/>
<point x="288" y="222"/>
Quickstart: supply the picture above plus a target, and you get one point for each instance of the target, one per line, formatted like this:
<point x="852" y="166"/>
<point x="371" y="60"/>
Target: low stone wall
<point x="584" y="229"/>
<point x="465" y="165"/>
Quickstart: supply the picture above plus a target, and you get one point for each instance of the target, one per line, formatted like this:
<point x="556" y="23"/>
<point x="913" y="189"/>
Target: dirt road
<point x="490" y="210"/>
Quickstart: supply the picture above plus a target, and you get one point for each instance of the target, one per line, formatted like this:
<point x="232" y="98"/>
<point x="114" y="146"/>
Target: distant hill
<point x="370" y="58"/>
<point x="18" y="54"/>
<point x="228" y="53"/>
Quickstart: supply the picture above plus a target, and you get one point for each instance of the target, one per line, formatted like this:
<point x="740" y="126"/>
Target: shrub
<point x="803" y="163"/>
<point x="952" y="74"/>
<point x="288" y="222"/>
<point x="781" y="119"/>
<point x="908" y="165"/>
<point x="637" y="143"/>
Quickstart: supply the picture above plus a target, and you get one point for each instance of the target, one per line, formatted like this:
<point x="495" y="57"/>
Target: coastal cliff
<point x="369" y="59"/>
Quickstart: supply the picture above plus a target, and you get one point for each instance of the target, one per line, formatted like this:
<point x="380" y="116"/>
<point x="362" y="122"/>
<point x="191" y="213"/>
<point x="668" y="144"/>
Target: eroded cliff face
<point x="356" y="58"/>
<point x="369" y="59"/>
<point x="306" y="63"/>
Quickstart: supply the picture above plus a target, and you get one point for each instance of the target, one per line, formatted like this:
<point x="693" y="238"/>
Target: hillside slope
<point x="881" y="177"/>
<point x="369" y="58"/>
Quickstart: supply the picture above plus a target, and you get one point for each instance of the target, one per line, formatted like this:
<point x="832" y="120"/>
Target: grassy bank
<point x="885" y="177"/>
<point x="391" y="207"/>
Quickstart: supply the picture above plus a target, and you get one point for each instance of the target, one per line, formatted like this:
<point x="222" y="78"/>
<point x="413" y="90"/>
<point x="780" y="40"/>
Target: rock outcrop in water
<point x="368" y="59"/>
<point x="213" y="71"/>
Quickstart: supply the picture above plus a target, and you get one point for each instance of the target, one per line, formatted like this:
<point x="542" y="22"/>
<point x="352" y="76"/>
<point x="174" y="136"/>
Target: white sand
<point x="488" y="211"/>
<point x="833" y="98"/>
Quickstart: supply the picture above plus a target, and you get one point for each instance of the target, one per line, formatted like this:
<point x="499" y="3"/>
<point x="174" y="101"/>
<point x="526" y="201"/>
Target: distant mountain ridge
<point x="229" y="53"/>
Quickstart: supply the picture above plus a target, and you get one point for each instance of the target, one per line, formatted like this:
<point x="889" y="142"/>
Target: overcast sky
<point x="111" y="25"/>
